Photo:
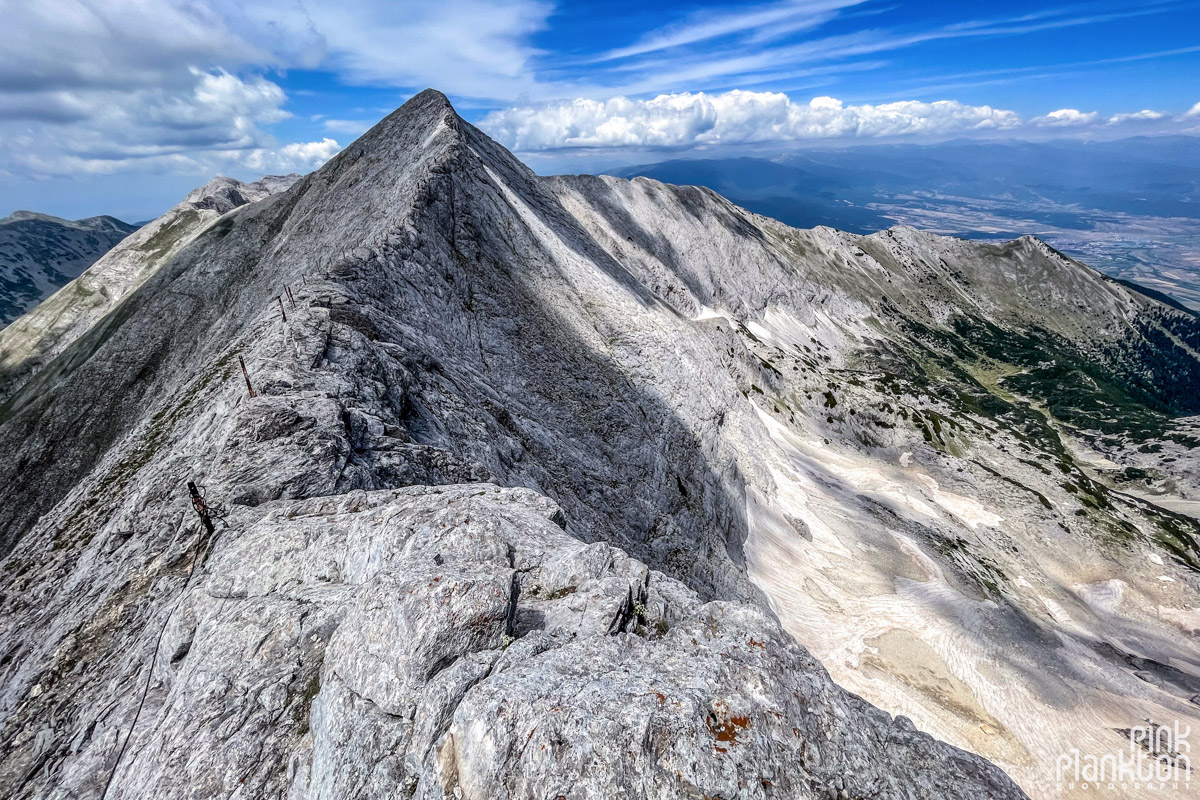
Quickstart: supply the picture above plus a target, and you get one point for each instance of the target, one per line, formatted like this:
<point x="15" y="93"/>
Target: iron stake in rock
<point x="246" y="375"/>
<point x="201" y="508"/>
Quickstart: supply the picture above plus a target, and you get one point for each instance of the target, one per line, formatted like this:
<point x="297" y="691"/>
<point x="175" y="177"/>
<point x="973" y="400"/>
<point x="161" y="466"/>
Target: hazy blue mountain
<point x="39" y="253"/>
<point x="1130" y="208"/>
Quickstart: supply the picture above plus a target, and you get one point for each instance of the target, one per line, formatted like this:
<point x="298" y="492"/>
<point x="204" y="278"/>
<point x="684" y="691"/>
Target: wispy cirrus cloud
<point x="773" y="20"/>
<point x="710" y="50"/>
<point x="473" y="48"/>
<point x="946" y="82"/>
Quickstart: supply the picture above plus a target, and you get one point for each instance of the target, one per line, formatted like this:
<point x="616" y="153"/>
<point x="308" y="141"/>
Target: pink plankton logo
<point x="1157" y="757"/>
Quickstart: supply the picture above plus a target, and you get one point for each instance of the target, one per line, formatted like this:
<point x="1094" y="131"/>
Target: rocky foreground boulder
<point x="455" y="641"/>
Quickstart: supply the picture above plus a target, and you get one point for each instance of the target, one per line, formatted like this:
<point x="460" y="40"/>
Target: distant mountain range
<point x="1130" y="208"/>
<point x="39" y="253"/>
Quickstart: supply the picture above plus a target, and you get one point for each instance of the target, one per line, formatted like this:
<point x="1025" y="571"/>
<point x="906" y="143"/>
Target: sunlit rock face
<point x="541" y="487"/>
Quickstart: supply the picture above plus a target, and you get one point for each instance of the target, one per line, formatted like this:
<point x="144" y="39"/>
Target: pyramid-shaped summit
<point x="420" y="115"/>
<point x="515" y="492"/>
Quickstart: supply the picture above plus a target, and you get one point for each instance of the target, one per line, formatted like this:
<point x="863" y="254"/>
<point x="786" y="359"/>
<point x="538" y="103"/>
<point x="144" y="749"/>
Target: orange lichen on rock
<point x="727" y="731"/>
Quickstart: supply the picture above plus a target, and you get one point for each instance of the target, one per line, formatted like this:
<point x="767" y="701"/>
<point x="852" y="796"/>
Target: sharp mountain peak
<point x="424" y="121"/>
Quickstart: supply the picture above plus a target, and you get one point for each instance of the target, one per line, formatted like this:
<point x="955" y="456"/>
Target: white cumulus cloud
<point x="734" y="117"/>
<point x="1066" y="118"/>
<point x="92" y="88"/>
<point x="296" y="157"/>
<point x="1145" y="115"/>
<point x="106" y="86"/>
<point x="102" y="130"/>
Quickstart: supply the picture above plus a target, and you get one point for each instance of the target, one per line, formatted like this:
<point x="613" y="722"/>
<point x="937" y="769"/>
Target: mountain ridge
<point x="31" y="341"/>
<point x="541" y="454"/>
<point x="1122" y="207"/>
<point x="39" y="253"/>
<point x="87" y="222"/>
<point x="365" y="421"/>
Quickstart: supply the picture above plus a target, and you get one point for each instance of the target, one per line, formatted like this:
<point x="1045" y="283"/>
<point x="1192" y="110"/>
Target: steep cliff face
<point x="39" y="253"/>
<point x="544" y="483"/>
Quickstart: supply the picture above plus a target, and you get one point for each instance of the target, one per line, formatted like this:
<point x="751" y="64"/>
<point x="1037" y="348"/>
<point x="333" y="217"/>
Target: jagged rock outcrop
<point x="39" y="253"/>
<point x="454" y="642"/>
<point x="712" y="431"/>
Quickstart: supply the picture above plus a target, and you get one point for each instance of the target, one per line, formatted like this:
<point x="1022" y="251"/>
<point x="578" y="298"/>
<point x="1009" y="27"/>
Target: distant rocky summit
<point x="39" y="253"/>
<point x="424" y="476"/>
<point x="47" y="329"/>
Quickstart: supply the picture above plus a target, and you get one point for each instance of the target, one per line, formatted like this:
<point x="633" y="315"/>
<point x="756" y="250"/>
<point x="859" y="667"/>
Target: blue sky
<point x="121" y="106"/>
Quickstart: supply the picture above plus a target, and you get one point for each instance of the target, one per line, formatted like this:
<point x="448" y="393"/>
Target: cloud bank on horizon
<point x="174" y="88"/>
<point x="741" y="117"/>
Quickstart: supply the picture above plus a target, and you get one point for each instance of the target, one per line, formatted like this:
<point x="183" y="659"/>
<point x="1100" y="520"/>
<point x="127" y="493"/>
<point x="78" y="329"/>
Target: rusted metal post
<point x="201" y="508"/>
<point x="281" y="311"/>
<point x="246" y="375"/>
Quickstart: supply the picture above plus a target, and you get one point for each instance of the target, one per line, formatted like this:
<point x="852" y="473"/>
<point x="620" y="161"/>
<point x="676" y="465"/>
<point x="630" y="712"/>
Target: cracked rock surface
<point x="455" y="641"/>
